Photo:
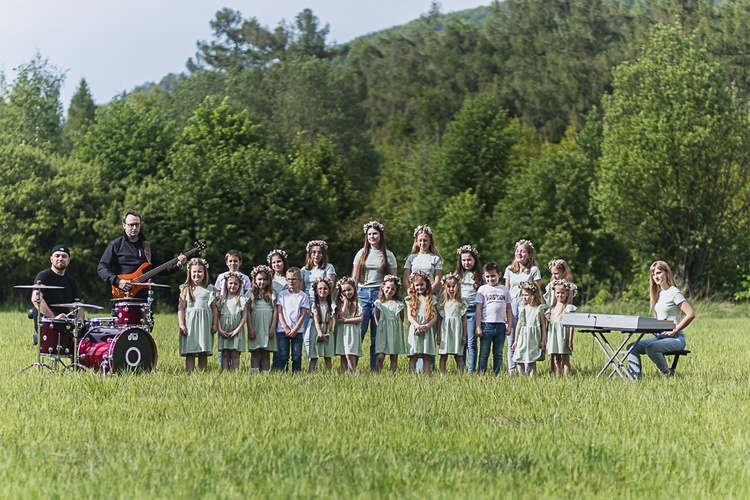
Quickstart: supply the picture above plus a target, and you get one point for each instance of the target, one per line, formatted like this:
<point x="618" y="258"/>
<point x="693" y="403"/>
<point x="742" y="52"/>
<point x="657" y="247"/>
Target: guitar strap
<point x="147" y="251"/>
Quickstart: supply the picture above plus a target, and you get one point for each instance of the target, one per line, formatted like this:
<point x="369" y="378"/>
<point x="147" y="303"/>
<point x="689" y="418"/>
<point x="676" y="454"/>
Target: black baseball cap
<point x="60" y="248"/>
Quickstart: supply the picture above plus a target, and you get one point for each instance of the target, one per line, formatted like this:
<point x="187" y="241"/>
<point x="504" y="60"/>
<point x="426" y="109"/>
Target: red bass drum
<point x="117" y="350"/>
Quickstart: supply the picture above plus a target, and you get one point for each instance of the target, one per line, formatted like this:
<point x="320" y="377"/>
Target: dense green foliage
<point x="610" y="133"/>
<point x="232" y="435"/>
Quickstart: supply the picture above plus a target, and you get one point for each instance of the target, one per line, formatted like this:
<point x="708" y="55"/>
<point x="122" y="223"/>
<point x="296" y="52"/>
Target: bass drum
<point x="117" y="350"/>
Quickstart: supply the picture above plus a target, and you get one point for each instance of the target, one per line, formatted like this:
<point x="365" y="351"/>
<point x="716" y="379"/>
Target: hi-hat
<point x="40" y="286"/>
<point x="78" y="304"/>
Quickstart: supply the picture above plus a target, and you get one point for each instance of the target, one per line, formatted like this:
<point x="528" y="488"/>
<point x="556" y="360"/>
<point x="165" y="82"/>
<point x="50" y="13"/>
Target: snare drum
<point x="116" y="350"/>
<point x="102" y="322"/>
<point x="131" y="314"/>
<point x="56" y="337"/>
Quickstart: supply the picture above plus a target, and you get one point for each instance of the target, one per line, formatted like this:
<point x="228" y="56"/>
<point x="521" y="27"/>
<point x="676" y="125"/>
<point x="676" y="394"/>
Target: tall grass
<point x="236" y="434"/>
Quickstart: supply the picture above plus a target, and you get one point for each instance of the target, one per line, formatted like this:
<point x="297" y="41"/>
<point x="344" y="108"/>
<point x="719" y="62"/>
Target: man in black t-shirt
<point x="55" y="276"/>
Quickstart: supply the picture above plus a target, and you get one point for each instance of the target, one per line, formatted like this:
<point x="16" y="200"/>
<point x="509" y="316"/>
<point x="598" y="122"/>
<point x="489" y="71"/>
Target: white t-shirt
<point x="291" y="307"/>
<point x="668" y="305"/>
<point x="494" y="300"/>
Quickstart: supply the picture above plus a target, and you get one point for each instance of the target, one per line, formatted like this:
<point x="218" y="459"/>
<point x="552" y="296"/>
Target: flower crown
<point x="373" y="223"/>
<point x="261" y="269"/>
<point x="233" y="274"/>
<point x="419" y="274"/>
<point x="420" y="229"/>
<point x="195" y="261"/>
<point x="392" y="278"/>
<point x="567" y="284"/>
<point x="467" y="249"/>
<point x="316" y="243"/>
<point x="323" y="279"/>
<point x="276" y="251"/>
<point x="558" y="263"/>
<point x="525" y="242"/>
<point x="449" y="276"/>
<point x="346" y="280"/>
<point x="529" y="286"/>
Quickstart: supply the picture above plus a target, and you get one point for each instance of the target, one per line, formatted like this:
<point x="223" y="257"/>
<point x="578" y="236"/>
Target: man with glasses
<point x="126" y="254"/>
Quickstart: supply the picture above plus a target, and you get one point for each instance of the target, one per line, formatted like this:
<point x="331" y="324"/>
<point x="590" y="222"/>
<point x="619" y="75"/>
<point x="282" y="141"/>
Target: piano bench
<point x="676" y="354"/>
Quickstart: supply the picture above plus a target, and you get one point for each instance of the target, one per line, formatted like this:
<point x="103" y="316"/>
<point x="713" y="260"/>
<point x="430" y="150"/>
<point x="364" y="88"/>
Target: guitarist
<point x="126" y="254"/>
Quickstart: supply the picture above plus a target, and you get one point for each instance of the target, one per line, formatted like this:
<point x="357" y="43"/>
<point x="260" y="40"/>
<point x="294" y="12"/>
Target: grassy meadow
<point x="230" y="435"/>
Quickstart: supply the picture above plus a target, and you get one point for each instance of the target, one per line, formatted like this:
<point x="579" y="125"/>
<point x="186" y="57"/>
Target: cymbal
<point x="40" y="286"/>
<point x="78" y="304"/>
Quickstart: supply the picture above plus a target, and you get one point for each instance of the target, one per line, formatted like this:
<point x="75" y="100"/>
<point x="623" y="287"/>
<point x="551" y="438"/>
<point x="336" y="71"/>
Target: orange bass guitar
<point x="140" y="275"/>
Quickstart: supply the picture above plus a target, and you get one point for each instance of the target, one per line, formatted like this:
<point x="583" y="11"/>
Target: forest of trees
<point x="609" y="132"/>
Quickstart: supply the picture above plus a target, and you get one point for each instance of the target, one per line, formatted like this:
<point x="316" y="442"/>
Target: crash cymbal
<point x="78" y="304"/>
<point x="40" y="286"/>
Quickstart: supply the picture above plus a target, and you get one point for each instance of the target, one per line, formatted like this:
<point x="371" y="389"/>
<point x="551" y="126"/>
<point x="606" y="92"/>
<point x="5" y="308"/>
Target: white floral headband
<point x="346" y="280"/>
<point x="373" y="223"/>
<point x="528" y="286"/>
<point x="450" y="276"/>
<point x="525" y="242"/>
<point x="261" y="269"/>
<point x="276" y="251"/>
<point x="467" y="249"/>
<point x="316" y="243"/>
<point x="196" y="261"/>
<point x="419" y="274"/>
<point x="392" y="278"/>
<point x="422" y="229"/>
<point x="567" y="284"/>
<point x="323" y="279"/>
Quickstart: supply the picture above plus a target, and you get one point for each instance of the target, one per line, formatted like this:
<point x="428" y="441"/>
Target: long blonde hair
<point x="414" y="297"/>
<point x="515" y="266"/>
<point x="433" y="248"/>
<point x="655" y="289"/>
<point x="445" y="296"/>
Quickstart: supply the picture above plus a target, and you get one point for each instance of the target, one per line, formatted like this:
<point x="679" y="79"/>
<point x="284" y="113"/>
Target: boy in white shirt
<point x="493" y="311"/>
<point x="292" y="305"/>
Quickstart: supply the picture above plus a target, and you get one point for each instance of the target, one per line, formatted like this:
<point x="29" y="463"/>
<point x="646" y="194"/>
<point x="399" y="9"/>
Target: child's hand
<point x="271" y="333"/>
<point x="463" y="340"/>
<point x="514" y="345"/>
<point x="251" y="334"/>
<point x="478" y="332"/>
<point x="183" y="330"/>
<point x="570" y="344"/>
<point x="321" y="338"/>
<point x="292" y="333"/>
<point x="543" y="345"/>
<point x="437" y="339"/>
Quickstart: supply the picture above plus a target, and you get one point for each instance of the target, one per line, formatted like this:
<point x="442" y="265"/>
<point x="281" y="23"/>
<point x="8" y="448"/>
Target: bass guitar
<point x="141" y="275"/>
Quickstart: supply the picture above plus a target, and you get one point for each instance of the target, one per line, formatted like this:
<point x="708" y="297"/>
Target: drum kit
<point x="111" y="344"/>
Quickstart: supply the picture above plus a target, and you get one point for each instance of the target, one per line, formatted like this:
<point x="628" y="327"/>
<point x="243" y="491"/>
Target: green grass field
<point x="232" y="434"/>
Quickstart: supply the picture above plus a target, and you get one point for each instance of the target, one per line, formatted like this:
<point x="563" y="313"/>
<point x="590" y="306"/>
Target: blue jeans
<point x="654" y="347"/>
<point x="281" y="357"/>
<point x="367" y="298"/>
<point x="493" y="337"/>
<point x="470" y="350"/>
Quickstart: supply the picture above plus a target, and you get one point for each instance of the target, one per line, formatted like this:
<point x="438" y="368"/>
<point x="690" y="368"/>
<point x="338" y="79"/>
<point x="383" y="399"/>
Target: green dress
<point x="420" y="344"/>
<point x="348" y="335"/>
<point x="230" y="315"/>
<point x="198" y="321"/>
<point x="530" y="335"/>
<point x="318" y="349"/>
<point x="390" y="338"/>
<point x="451" y="326"/>
<point x="262" y="316"/>
<point x="557" y="334"/>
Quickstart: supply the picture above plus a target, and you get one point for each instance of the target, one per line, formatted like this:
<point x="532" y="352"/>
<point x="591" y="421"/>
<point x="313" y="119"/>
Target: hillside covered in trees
<point x="609" y="132"/>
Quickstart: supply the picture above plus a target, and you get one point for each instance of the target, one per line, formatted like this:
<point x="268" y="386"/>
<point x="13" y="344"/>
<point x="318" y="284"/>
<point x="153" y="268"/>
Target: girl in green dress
<point x="262" y="318"/>
<point x="452" y="324"/>
<point x="531" y="332"/>
<point x="197" y="316"/>
<point x="320" y="343"/>
<point x="389" y="316"/>
<point x="232" y="319"/>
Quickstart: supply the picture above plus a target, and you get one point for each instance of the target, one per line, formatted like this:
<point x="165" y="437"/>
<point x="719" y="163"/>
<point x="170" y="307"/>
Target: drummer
<point x="55" y="276"/>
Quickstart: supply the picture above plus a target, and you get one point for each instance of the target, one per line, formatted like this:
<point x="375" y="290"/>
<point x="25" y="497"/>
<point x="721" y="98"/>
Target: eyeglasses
<point x="134" y="224"/>
<point x="292" y="279"/>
